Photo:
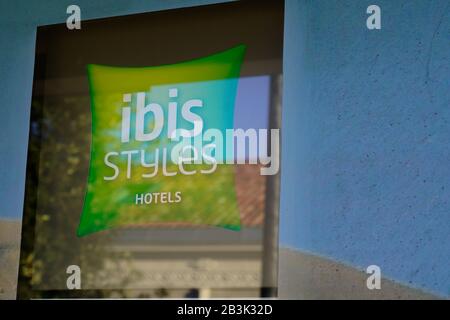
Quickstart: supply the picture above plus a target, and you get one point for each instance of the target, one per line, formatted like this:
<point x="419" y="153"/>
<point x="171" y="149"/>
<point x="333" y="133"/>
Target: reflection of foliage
<point x="58" y="163"/>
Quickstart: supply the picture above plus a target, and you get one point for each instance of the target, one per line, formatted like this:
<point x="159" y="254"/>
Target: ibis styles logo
<point x="162" y="144"/>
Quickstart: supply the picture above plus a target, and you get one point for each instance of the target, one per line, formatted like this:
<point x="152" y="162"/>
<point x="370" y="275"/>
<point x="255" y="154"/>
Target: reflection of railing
<point x="208" y="279"/>
<point x="171" y="266"/>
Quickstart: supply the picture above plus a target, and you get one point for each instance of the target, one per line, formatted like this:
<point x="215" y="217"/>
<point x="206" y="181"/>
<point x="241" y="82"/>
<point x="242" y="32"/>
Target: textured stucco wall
<point x="368" y="113"/>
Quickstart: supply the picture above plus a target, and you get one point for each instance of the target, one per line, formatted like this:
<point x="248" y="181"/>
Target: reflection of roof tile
<point x="251" y="196"/>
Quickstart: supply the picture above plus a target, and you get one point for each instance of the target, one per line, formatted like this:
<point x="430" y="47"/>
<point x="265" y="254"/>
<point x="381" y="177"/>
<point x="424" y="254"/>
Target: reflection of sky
<point x="252" y="103"/>
<point x="252" y="106"/>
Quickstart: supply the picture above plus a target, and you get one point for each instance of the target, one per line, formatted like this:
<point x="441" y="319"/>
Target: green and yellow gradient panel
<point x="198" y="199"/>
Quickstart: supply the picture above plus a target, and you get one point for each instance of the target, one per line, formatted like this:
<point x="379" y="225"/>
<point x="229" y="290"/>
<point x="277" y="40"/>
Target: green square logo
<point x="157" y="154"/>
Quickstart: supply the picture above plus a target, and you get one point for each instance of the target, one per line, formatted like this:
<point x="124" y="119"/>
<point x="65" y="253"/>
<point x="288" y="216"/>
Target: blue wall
<point x="368" y="181"/>
<point x="366" y="128"/>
